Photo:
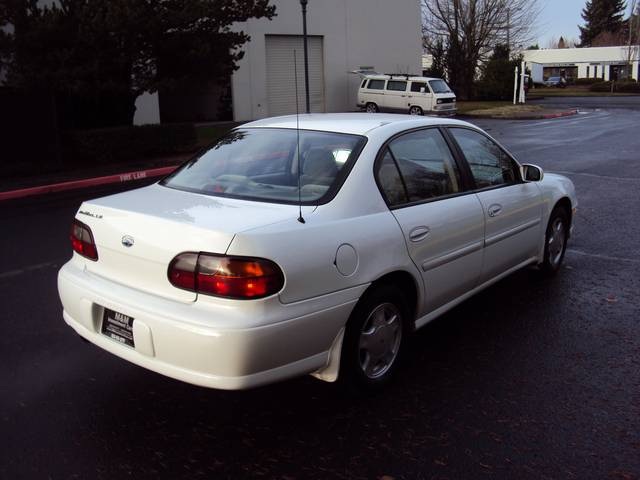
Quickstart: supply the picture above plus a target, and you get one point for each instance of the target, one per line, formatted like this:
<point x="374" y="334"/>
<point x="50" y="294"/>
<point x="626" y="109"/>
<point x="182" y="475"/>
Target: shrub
<point x="587" y="81"/>
<point x="600" y="87"/>
<point x="122" y="144"/>
<point x="628" y="86"/>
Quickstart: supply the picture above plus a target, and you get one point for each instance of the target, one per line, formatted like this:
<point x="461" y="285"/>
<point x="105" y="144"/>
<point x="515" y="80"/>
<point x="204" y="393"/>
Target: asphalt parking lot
<point x="529" y="379"/>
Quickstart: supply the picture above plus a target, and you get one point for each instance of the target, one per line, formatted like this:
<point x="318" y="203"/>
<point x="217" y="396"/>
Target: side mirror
<point x="531" y="173"/>
<point x="422" y="90"/>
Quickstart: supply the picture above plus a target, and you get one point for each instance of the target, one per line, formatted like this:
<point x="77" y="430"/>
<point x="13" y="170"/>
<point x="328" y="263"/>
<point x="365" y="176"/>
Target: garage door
<point x="281" y="89"/>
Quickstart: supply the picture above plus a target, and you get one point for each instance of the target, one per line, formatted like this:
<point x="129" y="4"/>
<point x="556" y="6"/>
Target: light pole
<point x="306" y="54"/>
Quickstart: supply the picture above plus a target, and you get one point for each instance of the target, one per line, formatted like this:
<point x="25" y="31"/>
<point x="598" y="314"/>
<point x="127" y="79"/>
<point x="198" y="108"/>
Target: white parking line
<point x="568" y="120"/>
<point x="30" y="268"/>
<point x="603" y="257"/>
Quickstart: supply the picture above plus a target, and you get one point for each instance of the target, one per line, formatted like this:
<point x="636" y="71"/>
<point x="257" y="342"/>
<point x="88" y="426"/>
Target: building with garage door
<point x="344" y="36"/>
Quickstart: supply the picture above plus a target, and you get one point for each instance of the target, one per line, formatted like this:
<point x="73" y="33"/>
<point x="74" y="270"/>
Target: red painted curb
<point x="87" y="182"/>
<point x="560" y="114"/>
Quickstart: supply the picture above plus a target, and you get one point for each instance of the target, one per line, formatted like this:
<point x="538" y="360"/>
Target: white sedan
<point x="308" y="245"/>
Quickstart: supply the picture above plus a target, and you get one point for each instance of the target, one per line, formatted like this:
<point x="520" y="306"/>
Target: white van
<point x="406" y="94"/>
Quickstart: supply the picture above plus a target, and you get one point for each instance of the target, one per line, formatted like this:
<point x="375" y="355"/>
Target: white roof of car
<point x="399" y="76"/>
<point x="353" y="123"/>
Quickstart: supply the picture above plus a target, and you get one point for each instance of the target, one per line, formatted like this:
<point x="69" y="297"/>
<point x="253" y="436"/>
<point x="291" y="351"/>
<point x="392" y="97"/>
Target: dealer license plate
<point x="118" y="326"/>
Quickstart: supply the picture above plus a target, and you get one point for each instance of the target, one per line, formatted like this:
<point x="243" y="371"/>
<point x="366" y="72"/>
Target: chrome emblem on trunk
<point x="128" y="241"/>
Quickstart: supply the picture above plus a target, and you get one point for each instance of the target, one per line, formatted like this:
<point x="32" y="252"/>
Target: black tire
<point x="557" y="231"/>
<point x="378" y="306"/>
<point x="415" y="110"/>
<point x="372" y="108"/>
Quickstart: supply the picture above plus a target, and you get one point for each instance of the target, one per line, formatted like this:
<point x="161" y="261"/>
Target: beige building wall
<point x="382" y="34"/>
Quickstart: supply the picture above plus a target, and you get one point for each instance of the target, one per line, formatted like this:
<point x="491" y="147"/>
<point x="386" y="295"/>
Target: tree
<point x="496" y="82"/>
<point x="601" y="16"/>
<point x="99" y="56"/>
<point x="632" y="26"/>
<point x="472" y="28"/>
<point x="561" y="42"/>
<point x="438" y="67"/>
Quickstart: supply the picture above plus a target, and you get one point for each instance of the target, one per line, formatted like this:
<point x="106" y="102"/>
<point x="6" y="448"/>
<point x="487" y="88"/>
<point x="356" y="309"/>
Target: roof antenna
<point x="295" y="73"/>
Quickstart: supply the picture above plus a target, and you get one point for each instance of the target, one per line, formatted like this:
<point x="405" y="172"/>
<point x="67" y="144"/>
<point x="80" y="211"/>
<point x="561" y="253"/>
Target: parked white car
<point x="252" y="264"/>
<point x="406" y="94"/>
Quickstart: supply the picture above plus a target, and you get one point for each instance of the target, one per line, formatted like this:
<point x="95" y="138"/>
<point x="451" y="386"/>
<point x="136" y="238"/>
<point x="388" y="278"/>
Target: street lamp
<point x="303" y="3"/>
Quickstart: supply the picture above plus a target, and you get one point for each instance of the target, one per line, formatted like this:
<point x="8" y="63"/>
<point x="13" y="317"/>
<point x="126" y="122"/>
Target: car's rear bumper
<point x="172" y="338"/>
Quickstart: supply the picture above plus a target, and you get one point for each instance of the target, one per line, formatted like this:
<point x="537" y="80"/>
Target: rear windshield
<point x="439" y="86"/>
<point x="262" y="164"/>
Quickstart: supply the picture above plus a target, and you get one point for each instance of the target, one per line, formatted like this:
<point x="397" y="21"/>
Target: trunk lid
<point x="138" y="233"/>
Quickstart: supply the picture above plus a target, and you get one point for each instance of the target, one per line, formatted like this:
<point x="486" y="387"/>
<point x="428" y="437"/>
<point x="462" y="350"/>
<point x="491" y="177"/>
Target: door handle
<point x="419" y="233"/>
<point x="494" y="210"/>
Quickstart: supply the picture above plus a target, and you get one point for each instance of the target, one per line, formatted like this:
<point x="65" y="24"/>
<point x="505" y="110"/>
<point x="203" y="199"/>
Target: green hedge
<point x="630" y="86"/>
<point x="121" y="144"/>
<point x="587" y="81"/>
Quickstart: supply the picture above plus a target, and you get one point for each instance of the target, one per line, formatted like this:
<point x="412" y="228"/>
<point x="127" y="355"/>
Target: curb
<point x="87" y="182"/>
<point x="567" y="113"/>
<point x="542" y="116"/>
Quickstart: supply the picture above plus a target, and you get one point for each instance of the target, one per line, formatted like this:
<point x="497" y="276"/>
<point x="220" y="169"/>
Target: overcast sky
<point x="561" y="17"/>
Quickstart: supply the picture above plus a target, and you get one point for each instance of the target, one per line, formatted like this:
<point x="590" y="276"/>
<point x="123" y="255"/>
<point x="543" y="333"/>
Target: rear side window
<point x="364" y="82"/>
<point x="376" y="84"/>
<point x="397" y="85"/>
<point x="489" y="164"/>
<point x="391" y="182"/>
<point x="425" y="167"/>
<point x="416" y="86"/>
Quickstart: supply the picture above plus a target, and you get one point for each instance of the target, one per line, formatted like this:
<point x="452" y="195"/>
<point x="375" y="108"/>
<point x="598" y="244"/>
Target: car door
<point x="512" y="208"/>
<point x="420" y="95"/>
<point x="443" y="225"/>
<point x="374" y="92"/>
<point x="396" y="95"/>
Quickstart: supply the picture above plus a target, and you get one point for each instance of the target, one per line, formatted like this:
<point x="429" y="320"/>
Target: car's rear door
<point x="396" y="96"/>
<point x="512" y="208"/>
<point x="443" y="224"/>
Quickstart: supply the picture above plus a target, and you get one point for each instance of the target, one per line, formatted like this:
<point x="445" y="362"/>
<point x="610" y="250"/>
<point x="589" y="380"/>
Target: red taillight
<point x="224" y="276"/>
<point x="82" y="240"/>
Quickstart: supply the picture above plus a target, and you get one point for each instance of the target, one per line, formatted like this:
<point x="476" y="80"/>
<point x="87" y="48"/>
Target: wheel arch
<point x="408" y="286"/>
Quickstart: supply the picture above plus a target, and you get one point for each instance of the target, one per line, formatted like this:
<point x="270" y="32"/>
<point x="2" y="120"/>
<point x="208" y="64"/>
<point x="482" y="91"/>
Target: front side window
<point x="262" y="164"/>
<point x="490" y="165"/>
<point x="376" y="85"/>
<point x="397" y="85"/>
<point x="439" y="86"/>
<point x="425" y="167"/>
<point x="417" y="86"/>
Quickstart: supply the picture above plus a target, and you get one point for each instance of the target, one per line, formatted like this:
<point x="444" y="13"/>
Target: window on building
<point x="595" y="71"/>
<point x="397" y="85"/>
<point x="376" y="84"/>
<point x="587" y="71"/>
